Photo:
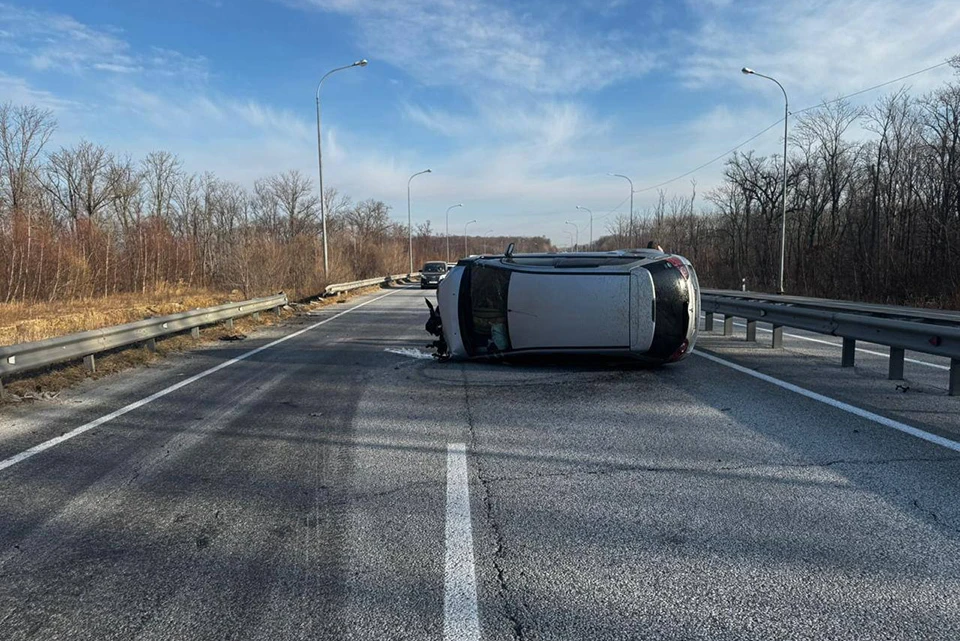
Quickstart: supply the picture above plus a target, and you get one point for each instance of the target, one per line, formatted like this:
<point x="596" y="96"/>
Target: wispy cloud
<point x="541" y="123"/>
<point x="46" y="41"/>
<point x="19" y="91"/>
<point x="470" y="43"/>
<point x="440" y="121"/>
<point x="820" y="50"/>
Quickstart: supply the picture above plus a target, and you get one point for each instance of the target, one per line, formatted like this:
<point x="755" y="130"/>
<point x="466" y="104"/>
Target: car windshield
<point x="434" y="268"/>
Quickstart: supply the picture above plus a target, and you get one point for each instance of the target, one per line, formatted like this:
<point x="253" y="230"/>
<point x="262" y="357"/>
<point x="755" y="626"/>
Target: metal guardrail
<point x="85" y="345"/>
<point x="23" y="357"/>
<point x="341" y="288"/>
<point x="888" y="311"/>
<point x="899" y="328"/>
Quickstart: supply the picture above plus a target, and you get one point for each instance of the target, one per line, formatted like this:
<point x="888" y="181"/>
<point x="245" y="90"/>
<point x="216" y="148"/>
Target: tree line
<point x="81" y="221"/>
<point x="872" y="216"/>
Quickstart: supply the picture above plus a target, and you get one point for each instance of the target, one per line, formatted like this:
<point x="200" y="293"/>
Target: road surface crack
<point x="833" y="462"/>
<point x="933" y="516"/>
<point x="513" y="609"/>
<point x="639" y="469"/>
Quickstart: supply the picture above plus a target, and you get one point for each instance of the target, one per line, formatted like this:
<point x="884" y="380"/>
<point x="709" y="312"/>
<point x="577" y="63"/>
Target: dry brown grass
<point x="50" y="382"/>
<point x="22" y="323"/>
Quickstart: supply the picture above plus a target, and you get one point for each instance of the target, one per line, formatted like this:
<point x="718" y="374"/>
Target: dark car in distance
<point x="432" y="273"/>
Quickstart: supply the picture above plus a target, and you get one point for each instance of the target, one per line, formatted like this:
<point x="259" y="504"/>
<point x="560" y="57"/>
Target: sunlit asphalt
<point x="302" y="493"/>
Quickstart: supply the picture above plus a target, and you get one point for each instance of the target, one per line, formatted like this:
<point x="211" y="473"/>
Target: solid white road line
<point x="840" y="405"/>
<point x="461" y="621"/>
<point x="859" y="349"/>
<point x="46" y="445"/>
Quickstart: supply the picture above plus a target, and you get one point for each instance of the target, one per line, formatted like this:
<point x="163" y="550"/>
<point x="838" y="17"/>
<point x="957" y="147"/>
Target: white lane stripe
<point x="859" y="349"/>
<point x="46" y="445"/>
<point x="461" y="621"/>
<point x="840" y="405"/>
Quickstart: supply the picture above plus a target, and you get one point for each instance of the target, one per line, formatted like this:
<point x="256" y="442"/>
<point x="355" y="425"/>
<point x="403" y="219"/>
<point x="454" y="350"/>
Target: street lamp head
<point x="747" y="71"/>
<point x="360" y="63"/>
<point x="459" y="205"/>
<point x="427" y="171"/>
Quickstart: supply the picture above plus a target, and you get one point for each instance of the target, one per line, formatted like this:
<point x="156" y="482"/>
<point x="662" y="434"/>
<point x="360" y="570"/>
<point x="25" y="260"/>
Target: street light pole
<point x="570" y="234"/>
<point x="591" y="223"/>
<point x="576" y="244"/>
<point x="632" y="237"/>
<point x="486" y="237"/>
<point x="783" y="196"/>
<point x="323" y="214"/>
<point x="465" y="252"/>
<point x="410" y="219"/>
<point x="448" y="228"/>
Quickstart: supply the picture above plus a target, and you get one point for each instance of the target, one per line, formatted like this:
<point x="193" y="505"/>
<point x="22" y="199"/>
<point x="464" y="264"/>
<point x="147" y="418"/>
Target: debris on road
<point x="410" y="352"/>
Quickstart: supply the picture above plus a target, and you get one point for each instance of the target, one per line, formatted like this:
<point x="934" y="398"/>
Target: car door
<point x="559" y="310"/>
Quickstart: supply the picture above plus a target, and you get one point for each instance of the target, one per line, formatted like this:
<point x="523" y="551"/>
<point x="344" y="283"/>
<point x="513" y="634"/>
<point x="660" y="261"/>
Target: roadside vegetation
<point x="47" y="383"/>
<point x="84" y="223"/>
<point x="873" y="207"/>
<point x="90" y="237"/>
<point x="22" y="322"/>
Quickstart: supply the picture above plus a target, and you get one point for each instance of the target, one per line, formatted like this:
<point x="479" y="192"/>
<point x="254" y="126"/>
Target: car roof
<point x="617" y="261"/>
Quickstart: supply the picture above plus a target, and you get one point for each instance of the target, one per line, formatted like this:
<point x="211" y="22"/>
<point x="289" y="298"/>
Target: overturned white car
<point x="640" y="303"/>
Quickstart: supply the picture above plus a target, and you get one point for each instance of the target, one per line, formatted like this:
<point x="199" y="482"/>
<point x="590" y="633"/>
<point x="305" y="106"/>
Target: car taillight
<point x="676" y="262"/>
<point x="677" y="355"/>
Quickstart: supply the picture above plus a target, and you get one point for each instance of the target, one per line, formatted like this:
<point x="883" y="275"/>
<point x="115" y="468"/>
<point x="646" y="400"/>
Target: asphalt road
<point x="327" y="488"/>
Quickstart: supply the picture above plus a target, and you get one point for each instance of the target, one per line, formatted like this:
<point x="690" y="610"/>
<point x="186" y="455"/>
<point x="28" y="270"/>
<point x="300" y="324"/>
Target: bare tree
<point x="24" y="131"/>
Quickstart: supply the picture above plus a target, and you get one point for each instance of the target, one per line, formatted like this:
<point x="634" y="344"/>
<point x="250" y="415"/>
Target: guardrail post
<point x="90" y="362"/>
<point x="229" y="323"/>
<point x="849" y="352"/>
<point x="708" y="322"/>
<point x="256" y="316"/>
<point x="151" y="344"/>
<point x="727" y="325"/>
<point x="895" y="371"/>
<point x="195" y="332"/>
<point x="777" y="337"/>
<point x="276" y="310"/>
<point x="954" y="389"/>
<point x="751" y="331"/>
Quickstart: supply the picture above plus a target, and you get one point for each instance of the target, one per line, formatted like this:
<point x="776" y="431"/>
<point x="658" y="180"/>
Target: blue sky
<point x="519" y="108"/>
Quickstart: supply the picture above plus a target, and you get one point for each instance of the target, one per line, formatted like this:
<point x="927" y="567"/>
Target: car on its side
<point x="432" y="273"/>
<point x="641" y="304"/>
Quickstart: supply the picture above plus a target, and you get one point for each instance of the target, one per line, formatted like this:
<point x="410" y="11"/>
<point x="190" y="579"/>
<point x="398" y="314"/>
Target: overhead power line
<point x="882" y="84"/>
<point x="799" y="111"/>
<point x="710" y="162"/>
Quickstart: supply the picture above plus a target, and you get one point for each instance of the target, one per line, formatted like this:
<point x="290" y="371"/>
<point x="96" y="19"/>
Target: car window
<point x="488" y="309"/>
<point x="434" y="267"/>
